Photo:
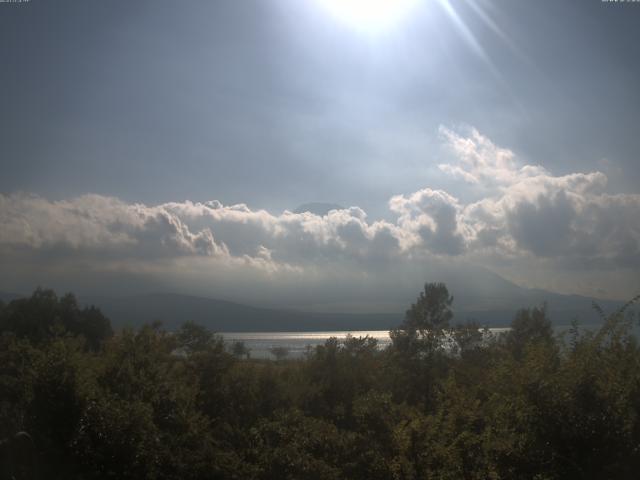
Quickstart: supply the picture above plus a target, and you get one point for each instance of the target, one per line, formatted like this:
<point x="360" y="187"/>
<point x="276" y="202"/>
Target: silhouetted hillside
<point x="493" y="302"/>
<point x="223" y="316"/>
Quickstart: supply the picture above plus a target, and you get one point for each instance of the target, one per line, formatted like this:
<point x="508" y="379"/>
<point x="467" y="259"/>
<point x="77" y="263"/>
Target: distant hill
<point x="491" y="299"/>
<point x="318" y="208"/>
<point x="6" y="297"/>
<point x="223" y="316"/>
<point x="478" y="294"/>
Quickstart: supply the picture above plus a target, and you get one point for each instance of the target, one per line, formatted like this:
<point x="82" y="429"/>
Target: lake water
<point x="297" y="343"/>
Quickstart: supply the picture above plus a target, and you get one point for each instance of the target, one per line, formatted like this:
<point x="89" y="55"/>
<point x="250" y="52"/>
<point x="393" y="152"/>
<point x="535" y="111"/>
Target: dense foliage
<point x="441" y="402"/>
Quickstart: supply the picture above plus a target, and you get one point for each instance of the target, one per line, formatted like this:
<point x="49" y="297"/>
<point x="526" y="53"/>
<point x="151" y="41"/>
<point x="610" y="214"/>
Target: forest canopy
<point x="442" y="401"/>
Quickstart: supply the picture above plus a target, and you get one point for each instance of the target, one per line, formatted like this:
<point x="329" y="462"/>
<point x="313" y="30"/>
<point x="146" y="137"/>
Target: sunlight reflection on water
<point x="297" y="343"/>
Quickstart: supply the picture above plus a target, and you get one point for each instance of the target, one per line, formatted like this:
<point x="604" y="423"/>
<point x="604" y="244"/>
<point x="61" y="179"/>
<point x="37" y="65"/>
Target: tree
<point x="193" y="337"/>
<point x="431" y="312"/>
<point x="529" y="326"/>
<point x="418" y="346"/>
<point x="468" y="337"/>
<point x="239" y="349"/>
<point x="426" y="321"/>
<point x="95" y="327"/>
<point x="44" y="316"/>
<point x="279" y="352"/>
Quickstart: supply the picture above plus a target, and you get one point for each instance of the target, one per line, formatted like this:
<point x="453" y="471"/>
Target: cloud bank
<point x="521" y="215"/>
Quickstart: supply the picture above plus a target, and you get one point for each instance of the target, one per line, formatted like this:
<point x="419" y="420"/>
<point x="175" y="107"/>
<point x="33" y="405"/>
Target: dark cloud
<point x="543" y="227"/>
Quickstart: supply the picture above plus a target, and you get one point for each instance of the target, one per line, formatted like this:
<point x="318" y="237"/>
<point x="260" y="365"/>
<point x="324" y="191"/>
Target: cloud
<point x="480" y="162"/>
<point x="521" y="212"/>
<point x="106" y="227"/>
<point x="526" y="209"/>
<point x="543" y="227"/>
<point x="93" y="223"/>
<point x="433" y="218"/>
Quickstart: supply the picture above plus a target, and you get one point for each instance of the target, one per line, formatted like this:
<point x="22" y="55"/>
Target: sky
<point x="163" y="146"/>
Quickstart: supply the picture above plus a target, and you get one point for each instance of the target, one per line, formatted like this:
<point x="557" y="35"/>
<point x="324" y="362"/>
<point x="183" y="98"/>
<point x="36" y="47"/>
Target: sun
<point x="369" y="15"/>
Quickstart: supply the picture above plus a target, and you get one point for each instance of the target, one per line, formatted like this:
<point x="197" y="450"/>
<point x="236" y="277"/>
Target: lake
<point x="297" y="343"/>
<point x="259" y="343"/>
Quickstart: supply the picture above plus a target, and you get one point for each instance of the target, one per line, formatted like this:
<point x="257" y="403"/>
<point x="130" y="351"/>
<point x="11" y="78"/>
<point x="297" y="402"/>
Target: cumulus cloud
<point x="433" y="219"/>
<point x="99" y="224"/>
<point x="481" y="162"/>
<point x="523" y="211"/>
<point x="105" y="226"/>
<point x="527" y="209"/>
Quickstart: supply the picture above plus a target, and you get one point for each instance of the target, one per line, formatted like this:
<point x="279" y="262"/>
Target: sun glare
<point x="369" y="15"/>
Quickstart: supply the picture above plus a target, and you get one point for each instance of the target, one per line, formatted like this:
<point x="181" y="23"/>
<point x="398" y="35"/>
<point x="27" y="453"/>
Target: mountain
<point x="478" y="295"/>
<point x="224" y="316"/>
<point x="6" y="297"/>
<point x="491" y="299"/>
<point x="318" y="208"/>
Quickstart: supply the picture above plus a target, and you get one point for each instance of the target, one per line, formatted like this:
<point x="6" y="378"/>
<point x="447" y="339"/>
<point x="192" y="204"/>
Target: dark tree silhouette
<point x="239" y="349"/>
<point x="530" y="325"/>
<point x="431" y="312"/>
<point x="44" y="316"/>
<point x="279" y="352"/>
<point x="193" y="337"/>
<point x="425" y="322"/>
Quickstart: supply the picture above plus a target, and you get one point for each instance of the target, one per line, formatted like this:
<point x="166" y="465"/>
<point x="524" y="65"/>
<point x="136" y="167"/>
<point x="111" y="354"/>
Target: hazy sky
<point x="152" y="145"/>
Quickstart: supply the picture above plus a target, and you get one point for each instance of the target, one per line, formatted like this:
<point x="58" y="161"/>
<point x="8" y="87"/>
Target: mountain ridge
<point x="172" y="309"/>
